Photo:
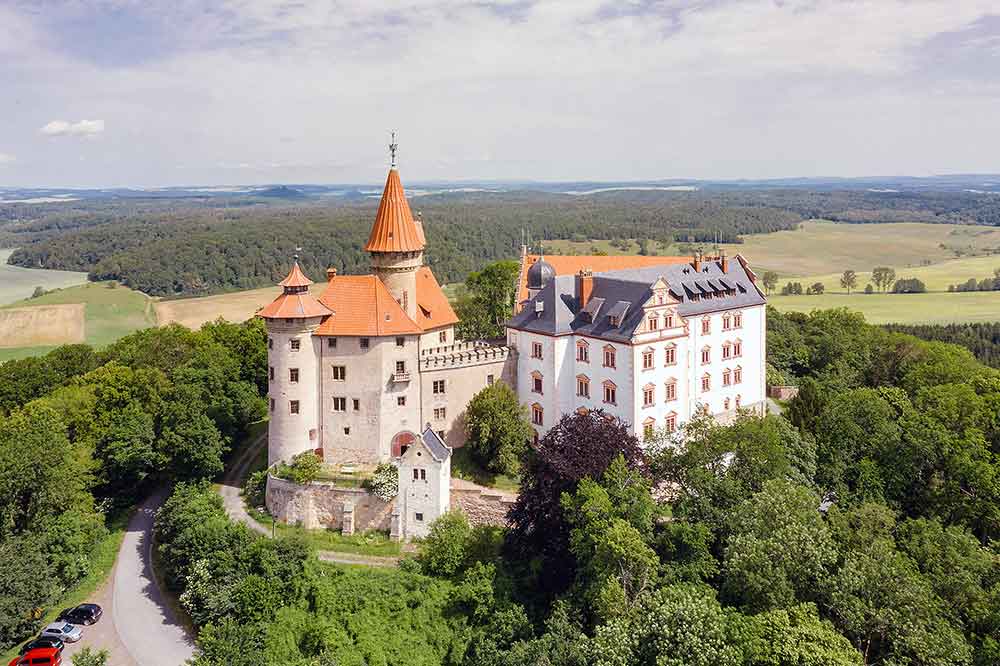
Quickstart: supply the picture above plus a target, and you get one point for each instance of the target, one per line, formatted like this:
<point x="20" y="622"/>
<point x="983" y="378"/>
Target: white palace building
<point x="369" y="371"/>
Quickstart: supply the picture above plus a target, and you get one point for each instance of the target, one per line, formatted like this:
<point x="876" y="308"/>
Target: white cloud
<point x="6" y="158"/>
<point x="79" y="128"/>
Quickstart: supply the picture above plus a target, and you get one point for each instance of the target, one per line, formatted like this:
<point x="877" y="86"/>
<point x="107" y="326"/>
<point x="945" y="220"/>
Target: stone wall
<point x="481" y="506"/>
<point x="783" y="392"/>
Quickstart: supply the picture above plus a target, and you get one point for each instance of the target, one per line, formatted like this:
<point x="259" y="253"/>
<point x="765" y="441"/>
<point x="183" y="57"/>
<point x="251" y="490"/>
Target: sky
<point x="143" y="93"/>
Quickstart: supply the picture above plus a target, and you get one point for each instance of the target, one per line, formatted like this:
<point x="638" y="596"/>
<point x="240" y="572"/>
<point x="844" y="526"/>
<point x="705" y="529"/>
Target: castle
<point x="370" y="371"/>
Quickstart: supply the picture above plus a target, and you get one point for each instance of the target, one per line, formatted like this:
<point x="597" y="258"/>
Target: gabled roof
<point x="362" y="305"/>
<point x="433" y="308"/>
<point x="394" y="229"/>
<point x="293" y="305"/>
<point x="435" y="444"/>
<point x="571" y="265"/>
<point x="295" y="278"/>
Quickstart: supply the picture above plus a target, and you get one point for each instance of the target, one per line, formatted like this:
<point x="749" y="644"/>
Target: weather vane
<point x="297" y="250"/>
<point x="392" y="149"/>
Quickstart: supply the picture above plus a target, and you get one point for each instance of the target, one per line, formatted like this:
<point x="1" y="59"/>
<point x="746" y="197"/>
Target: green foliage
<point x="444" y="550"/>
<point x="90" y="657"/>
<point x="486" y="301"/>
<point x="795" y="636"/>
<point x="770" y="280"/>
<point x="883" y="277"/>
<point x="849" y="280"/>
<point x="909" y="286"/>
<point x="497" y="428"/>
<point x="255" y="488"/>
<point x="304" y="468"/>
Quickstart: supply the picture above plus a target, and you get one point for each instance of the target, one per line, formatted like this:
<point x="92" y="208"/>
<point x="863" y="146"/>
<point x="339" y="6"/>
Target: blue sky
<point x="153" y="92"/>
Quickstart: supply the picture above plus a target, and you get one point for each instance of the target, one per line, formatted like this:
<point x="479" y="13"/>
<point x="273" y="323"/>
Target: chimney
<point x="723" y="260"/>
<point x="331" y="273"/>
<point x="584" y="286"/>
<point x="697" y="261"/>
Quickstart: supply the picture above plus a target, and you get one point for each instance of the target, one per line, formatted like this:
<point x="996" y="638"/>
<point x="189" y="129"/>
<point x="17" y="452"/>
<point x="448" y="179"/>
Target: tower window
<point x="293" y="374"/>
<point x="331" y="343"/>
<point x="401" y="401"/>
<point x="340" y="372"/>
<point x="489" y="380"/>
<point x="294" y="344"/>
<point x="419" y="517"/>
<point x="270" y="373"/>
<point x="443" y="336"/>
<point x="400" y="367"/>
<point x="340" y="404"/>
<point x="536" y="350"/>
<point x="400" y="342"/>
<point x="270" y="343"/>
<point x="364" y="343"/>
<point x="272" y="404"/>
<point x="293" y="406"/>
<point x="439" y="413"/>
<point x="438" y="386"/>
<point x="356" y="404"/>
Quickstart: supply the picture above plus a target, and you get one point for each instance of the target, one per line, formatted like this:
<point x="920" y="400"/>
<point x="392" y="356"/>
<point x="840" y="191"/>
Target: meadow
<point x="930" y="308"/>
<point x="17" y="283"/>
<point x="236" y="307"/>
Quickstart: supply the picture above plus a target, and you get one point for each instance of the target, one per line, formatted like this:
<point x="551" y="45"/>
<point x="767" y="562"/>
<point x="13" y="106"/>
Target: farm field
<point x="930" y="308"/>
<point x="17" y="283"/>
<point x="42" y="325"/>
<point x="937" y="277"/>
<point x="109" y="313"/>
<point x="236" y="307"/>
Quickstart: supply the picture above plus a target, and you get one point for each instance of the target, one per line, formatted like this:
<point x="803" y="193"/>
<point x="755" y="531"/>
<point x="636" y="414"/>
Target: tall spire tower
<point x="396" y="242"/>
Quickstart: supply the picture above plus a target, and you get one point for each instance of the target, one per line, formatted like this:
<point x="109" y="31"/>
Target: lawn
<point x="937" y="277"/>
<point x="464" y="467"/>
<point x="931" y="308"/>
<point x="17" y="282"/>
<point x="367" y="543"/>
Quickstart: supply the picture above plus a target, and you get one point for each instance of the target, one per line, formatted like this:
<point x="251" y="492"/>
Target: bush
<point x="909" y="286"/>
<point x="304" y="468"/>
<point x="497" y="428"/>
<point x="869" y="289"/>
<point x="444" y="550"/>
<point x="255" y="488"/>
<point x="384" y="483"/>
<point x="89" y="657"/>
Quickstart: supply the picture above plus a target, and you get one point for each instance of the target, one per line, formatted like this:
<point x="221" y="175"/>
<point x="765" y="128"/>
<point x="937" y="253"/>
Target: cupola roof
<point x="295" y="278"/>
<point x="395" y="230"/>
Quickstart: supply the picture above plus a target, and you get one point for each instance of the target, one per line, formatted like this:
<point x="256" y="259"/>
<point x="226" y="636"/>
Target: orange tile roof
<point x="433" y="308"/>
<point x="293" y="305"/>
<point x="362" y="305"/>
<point x="295" y="278"/>
<point x="394" y="229"/>
<point x="570" y="265"/>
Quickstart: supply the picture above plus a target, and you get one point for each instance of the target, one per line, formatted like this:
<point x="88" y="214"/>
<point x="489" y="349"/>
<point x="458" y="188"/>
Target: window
<point x="331" y="343"/>
<point x="356" y="404"/>
<point x="738" y="320"/>
<point x="670" y="423"/>
<point x="439" y="413"/>
<point x="738" y="375"/>
<point x="706" y="326"/>
<point x="340" y="373"/>
<point x="653" y="322"/>
<point x="443" y="337"/>
<point x="419" y="474"/>
<point x="727" y="350"/>
<point x="738" y="348"/>
<point x="725" y="404"/>
<point x="400" y="342"/>
<point x="364" y="343"/>
<point x="537" y="414"/>
<point x="706" y="355"/>
<point x="536" y="382"/>
<point x="727" y="322"/>
<point x="272" y="404"/>
<point x="671" y="390"/>
<point x="727" y="377"/>
<point x="609" y="357"/>
<point x="270" y="373"/>
<point x="583" y="352"/>
<point x="401" y="401"/>
<point x="400" y="367"/>
<point x="294" y="344"/>
<point x="668" y="321"/>
<point x="647" y="359"/>
<point x="648" y="426"/>
<point x="340" y="404"/>
<point x="438" y="386"/>
<point x="536" y="350"/>
<point x="489" y="380"/>
<point x="671" y="355"/>
<point x="737" y="402"/>
<point x="293" y="406"/>
<point x="648" y="395"/>
<point x="419" y="517"/>
<point x="706" y="383"/>
<point x="270" y="343"/>
<point x="583" y="386"/>
<point x="441" y="434"/>
<point x="293" y="375"/>
<point x="610" y="393"/>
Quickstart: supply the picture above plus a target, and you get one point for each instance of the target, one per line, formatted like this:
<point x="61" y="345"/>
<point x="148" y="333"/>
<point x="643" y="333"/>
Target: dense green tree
<point x="794" y="636"/>
<point x="127" y="452"/>
<point x="497" y="428"/>
<point x="487" y="301"/>
<point x="444" y="552"/>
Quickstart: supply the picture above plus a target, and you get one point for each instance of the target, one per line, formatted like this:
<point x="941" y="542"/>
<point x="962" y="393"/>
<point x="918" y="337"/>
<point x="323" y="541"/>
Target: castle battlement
<point x="462" y="354"/>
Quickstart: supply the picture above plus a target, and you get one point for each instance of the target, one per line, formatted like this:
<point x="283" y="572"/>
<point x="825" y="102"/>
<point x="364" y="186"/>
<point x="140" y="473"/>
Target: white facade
<point x="293" y="368"/>
<point x="424" y="486"/>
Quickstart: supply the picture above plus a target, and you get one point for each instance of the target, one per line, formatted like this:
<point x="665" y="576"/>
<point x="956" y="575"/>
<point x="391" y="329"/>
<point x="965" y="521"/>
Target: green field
<point x="110" y="313"/>
<point x="937" y="277"/>
<point x="931" y="308"/>
<point x="17" y="283"/>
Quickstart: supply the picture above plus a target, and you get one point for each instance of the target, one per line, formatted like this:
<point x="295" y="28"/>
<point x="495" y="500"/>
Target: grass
<point x="102" y="561"/>
<point x="930" y="308"/>
<point x="17" y="283"/>
<point x="937" y="277"/>
<point x="464" y="467"/>
<point x="367" y="543"/>
<point x="236" y="306"/>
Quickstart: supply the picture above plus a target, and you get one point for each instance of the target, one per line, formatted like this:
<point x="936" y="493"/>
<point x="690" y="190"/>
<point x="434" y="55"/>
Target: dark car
<point x="82" y="614"/>
<point x="43" y="642"/>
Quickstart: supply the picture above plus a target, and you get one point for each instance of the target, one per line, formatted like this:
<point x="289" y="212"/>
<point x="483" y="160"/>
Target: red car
<point x="38" y="657"/>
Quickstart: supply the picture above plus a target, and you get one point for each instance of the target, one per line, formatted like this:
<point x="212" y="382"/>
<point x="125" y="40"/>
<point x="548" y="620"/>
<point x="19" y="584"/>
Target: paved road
<point x="145" y="622"/>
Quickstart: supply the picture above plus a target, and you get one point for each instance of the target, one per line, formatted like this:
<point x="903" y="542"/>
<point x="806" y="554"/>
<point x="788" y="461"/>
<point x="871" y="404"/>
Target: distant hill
<point x="280" y="192"/>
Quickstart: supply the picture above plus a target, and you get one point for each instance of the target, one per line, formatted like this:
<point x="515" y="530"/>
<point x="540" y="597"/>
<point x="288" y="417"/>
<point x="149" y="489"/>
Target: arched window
<point x="401" y="442"/>
<point x="583" y="351"/>
<point x="610" y="392"/>
<point x="537" y="414"/>
<point x="738" y="375"/>
<point x="536" y="382"/>
<point x="671" y="389"/>
<point x="583" y="386"/>
<point x="706" y="383"/>
<point x="648" y="395"/>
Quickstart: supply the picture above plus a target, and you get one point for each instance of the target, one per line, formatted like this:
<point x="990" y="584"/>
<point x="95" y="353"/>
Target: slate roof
<point x="438" y="448"/>
<point x="560" y="310"/>
<point x="572" y="264"/>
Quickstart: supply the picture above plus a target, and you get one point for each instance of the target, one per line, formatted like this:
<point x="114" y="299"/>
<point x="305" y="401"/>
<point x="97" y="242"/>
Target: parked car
<point x="82" y="614"/>
<point x="43" y="642"/>
<point x="64" y="631"/>
<point x="38" y="657"/>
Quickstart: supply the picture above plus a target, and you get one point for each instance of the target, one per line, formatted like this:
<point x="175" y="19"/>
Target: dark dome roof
<point x="539" y="274"/>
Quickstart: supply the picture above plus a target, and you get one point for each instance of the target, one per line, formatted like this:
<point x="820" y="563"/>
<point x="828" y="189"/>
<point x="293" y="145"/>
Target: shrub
<point x="89" y="657"/>
<point x="497" y="428"/>
<point x="909" y="286"/>
<point x="384" y="483"/>
<point x="443" y="552"/>
<point x="304" y="468"/>
<point x="255" y="488"/>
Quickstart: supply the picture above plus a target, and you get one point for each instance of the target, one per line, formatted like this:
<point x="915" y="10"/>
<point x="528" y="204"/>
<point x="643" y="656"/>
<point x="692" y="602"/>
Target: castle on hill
<point x="370" y="370"/>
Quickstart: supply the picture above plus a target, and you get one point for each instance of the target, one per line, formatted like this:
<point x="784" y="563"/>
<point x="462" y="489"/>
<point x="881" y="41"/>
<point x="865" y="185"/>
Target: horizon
<point x="258" y="92"/>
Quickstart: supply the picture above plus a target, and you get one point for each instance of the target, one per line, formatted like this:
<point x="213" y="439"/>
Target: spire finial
<point x="392" y="149"/>
<point x="296" y="255"/>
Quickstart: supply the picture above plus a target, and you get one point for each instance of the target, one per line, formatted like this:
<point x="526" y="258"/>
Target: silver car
<point x="64" y="631"/>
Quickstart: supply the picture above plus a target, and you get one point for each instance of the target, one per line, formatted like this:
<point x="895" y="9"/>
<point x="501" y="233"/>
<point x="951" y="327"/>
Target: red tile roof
<point x="433" y="308"/>
<point x="295" y="278"/>
<point x="293" y="305"/>
<point x="394" y="229"/>
<point x="570" y="265"/>
<point x="362" y="305"/>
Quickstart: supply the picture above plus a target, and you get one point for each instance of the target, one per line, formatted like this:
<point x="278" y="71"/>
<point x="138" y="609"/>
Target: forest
<point x="859" y="528"/>
<point x="197" y="246"/>
<point x="85" y="435"/>
<point x="982" y="339"/>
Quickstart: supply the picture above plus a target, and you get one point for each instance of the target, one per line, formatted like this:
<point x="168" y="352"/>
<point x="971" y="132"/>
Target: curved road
<point x="144" y="620"/>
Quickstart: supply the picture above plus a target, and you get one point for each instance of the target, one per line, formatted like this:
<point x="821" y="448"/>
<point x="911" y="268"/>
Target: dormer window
<point x="668" y="321"/>
<point x="653" y="322"/>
